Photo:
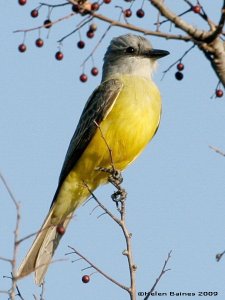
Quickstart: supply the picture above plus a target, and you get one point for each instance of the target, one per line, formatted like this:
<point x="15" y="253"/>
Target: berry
<point x="22" y="48"/>
<point x="127" y="13"/>
<point x="94" y="71"/>
<point x="86" y="278"/>
<point x="196" y="9"/>
<point x="34" y="13"/>
<point x="219" y="93"/>
<point x="59" y="55"/>
<point x="90" y="34"/>
<point x="93" y="27"/>
<point x="180" y="67"/>
<point x="75" y="8"/>
<point x="81" y="44"/>
<point x="39" y="43"/>
<point x="140" y="13"/>
<point x="95" y="6"/>
<point x="60" y="229"/>
<point x="22" y="2"/>
<point x="47" y="23"/>
<point x="83" y="77"/>
<point x="179" y="75"/>
<point x="106" y="1"/>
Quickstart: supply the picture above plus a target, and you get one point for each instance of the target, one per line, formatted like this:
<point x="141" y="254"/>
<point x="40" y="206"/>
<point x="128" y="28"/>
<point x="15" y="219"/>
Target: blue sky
<point x="175" y="189"/>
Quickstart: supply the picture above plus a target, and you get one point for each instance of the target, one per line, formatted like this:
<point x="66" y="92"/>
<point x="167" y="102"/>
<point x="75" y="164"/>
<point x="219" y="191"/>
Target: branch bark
<point x="209" y="42"/>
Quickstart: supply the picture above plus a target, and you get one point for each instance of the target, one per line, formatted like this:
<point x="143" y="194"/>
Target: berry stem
<point x="97" y="269"/>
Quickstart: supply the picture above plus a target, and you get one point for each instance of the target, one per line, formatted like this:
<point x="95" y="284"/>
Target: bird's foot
<point x="119" y="196"/>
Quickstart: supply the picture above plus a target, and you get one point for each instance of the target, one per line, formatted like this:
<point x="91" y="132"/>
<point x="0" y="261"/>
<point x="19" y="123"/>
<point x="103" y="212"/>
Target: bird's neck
<point x="131" y="66"/>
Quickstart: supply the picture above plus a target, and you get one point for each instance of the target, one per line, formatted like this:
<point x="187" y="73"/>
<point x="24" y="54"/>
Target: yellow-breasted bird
<point x="125" y="109"/>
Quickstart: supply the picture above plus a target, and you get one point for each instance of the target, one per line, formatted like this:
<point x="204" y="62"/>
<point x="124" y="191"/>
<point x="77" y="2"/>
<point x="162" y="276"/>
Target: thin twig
<point x="78" y="27"/>
<point x="16" y="234"/>
<point x="179" y="60"/>
<point x="99" y="270"/>
<point x="106" y="143"/>
<point x="95" y="48"/>
<point x="43" y="25"/>
<point x="54" y="5"/>
<point x="4" y="292"/>
<point x="217" y="150"/>
<point x="6" y="259"/>
<point x="101" y="205"/>
<point x="163" y="271"/>
<point x="42" y="291"/>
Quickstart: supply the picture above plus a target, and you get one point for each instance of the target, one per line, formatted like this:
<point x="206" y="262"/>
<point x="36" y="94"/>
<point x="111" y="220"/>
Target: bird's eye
<point x="130" y="50"/>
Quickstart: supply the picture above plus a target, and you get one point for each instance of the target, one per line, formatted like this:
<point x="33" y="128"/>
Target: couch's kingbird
<point x="125" y="109"/>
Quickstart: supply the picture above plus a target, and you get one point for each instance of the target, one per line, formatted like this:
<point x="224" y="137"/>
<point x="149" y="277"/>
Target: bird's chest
<point x="133" y="120"/>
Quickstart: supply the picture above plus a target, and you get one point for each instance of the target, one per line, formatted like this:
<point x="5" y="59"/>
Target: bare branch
<point x="142" y="30"/>
<point x="219" y="28"/>
<point x="6" y="259"/>
<point x="179" y="60"/>
<point x="99" y="270"/>
<point x="163" y="271"/>
<point x="193" y="32"/>
<point x="217" y="150"/>
<point x="16" y="234"/>
<point x="43" y="25"/>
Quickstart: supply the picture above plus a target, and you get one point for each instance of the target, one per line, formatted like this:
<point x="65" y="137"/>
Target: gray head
<point x="131" y="54"/>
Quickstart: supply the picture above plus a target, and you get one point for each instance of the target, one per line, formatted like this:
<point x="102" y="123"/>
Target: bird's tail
<point x="42" y="250"/>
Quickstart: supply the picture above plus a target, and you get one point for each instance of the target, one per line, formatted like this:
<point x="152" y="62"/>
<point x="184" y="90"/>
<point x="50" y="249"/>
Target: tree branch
<point x="99" y="270"/>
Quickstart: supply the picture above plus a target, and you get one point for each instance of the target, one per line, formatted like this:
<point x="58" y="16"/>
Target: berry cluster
<point x="140" y="13"/>
<point x="179" y="75"/>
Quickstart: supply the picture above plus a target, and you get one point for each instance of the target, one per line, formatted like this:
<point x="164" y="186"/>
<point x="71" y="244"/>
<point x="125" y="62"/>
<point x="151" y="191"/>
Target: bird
<point x="122" y="114"/>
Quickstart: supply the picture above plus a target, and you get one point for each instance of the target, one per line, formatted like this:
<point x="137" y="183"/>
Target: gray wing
<point x="95" y="110"/>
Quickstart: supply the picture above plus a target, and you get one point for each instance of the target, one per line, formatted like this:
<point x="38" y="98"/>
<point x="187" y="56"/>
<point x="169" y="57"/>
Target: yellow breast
<point x="130" y="125"/>
<point x="127" y="129"/>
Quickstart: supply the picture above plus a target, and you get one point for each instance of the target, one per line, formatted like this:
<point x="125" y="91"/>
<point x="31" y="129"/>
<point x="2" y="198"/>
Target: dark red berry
<point x="59" y="55"/>
<point x="22" y="48"/>
<point x="60" y="229"/>
<point x="94" y="71"/>
<point x="76" y="8"/>
<point x="95" y="6"/>
<point x="81" y="44"/>
<point x="179" y="75"/>
<point x="93" y="27"/>
<point x="83" y="77"/>
<point x="22" y="2"/>
<point x="219" y="93"/>
<point x="34" y="13"/>
<point x="86" y="278"/>
<point x="140" y="13"/>
<point x="127" y="13"/>
<point x="180" y="67"/>
<point x="196" y="9"/>
<point x="47" y="23"/>
<point x="106" y="1"/>
<point x="90" y="34"/>
<point x="39" y="43"/>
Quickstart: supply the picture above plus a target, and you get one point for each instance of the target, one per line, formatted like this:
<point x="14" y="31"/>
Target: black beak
<point x="156" y="53"/>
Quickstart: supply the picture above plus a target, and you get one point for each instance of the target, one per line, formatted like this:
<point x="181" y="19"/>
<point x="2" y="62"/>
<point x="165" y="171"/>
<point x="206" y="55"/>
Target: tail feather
<point x="42" y="250"/>
<point x="46" y="251"/>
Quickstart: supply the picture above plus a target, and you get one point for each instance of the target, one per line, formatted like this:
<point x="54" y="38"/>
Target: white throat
<point x="137" y="66"/>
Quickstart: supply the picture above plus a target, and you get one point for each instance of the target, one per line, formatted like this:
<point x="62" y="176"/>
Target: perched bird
<point x="125" y="109"/>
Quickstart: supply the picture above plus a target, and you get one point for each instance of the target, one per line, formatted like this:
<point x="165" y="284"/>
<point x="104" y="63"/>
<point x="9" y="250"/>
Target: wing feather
<point x="95" y="110"/>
